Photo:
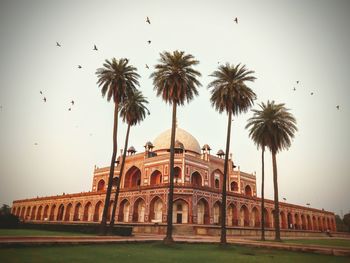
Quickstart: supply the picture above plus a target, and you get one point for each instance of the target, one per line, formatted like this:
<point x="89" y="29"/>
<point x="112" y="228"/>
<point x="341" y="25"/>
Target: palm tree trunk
<point x="169" y="231"/>
<point x="120" y="178"/>
<point x="103" y="228"/>
<point x="223" y="240"/>
<point x="275" y="187"/>
<point x="262" y="194"/>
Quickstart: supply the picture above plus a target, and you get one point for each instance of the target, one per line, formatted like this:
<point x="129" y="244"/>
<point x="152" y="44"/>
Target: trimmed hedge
<point x="9" y="221"/>
<point x="80" y="228"/>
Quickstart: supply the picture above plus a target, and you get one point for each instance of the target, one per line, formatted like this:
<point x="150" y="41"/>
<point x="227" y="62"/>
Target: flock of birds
<point x="312" y="93"/>
<point x="147" y="67"/>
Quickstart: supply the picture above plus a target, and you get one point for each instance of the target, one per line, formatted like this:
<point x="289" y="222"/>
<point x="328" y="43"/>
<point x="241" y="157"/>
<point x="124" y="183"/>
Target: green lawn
<point x="322" y="242"/>
<point x="34" y="232"/>
<point x="156" y="252"/>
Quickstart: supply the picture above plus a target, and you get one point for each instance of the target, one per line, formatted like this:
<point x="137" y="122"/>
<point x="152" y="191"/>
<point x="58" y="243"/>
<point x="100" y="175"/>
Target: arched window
<point x="234" y="186"/>
<point x="156" y="178"/>
<point x="132" y="177"/>
<point x="217" y="183"/>
<point x="216" y="179"/>
<point x="177" y="175"/>
<point x="101" y="185"/>
<point x="248" y="191"/>
<point x="196" y="179"/>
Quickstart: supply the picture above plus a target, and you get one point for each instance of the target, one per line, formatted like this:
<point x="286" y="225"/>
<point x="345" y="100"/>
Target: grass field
<point x="157" y="252"/>
<point x="34" y="232"/>
<point x="321" y="242"/>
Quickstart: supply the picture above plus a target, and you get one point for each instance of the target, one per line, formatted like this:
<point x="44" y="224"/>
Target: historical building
<point x="197" y="194"/>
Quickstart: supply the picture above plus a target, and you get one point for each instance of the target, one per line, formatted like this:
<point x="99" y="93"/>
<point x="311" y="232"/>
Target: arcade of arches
<point x="197" y="194"/>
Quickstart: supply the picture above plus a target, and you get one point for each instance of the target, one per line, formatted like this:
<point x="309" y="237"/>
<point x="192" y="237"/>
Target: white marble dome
<point x="162" y="141"/>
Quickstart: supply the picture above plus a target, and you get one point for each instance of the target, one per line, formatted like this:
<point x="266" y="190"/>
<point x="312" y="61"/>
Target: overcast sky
<point x="282" y="41"/>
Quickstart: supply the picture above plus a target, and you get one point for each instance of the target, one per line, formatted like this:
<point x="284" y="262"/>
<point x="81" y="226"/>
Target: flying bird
<point x="337" y="107"/>
<point x="307" y="203"/>
<point x="35" y="143"/>
<point x="69" y="109"/>
<point x="79" y="66"/>
<point x="284" y="199"/>
<point x="44" y="99"/>
<point x="236" y="20"/>
<point x="95" y="48"/>
<point x="149" y="41"/>
<point x="294" y="89"/>
<point x="312" y="93"/>
<point x="41" y="92"/>
<point x="297" y="81"/>
<point x="147" y="66"/>
<point x="72" y="102"/>
<point x="58" y="44"/>
<point x="148" y="21"/>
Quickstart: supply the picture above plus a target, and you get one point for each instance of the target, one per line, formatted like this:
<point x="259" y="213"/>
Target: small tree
<point x="346" y="220"/>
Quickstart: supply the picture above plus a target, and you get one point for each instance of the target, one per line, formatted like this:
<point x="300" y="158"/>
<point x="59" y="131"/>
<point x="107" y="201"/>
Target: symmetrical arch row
<point x="132" y="179"/>
<point x="203" y="212"/>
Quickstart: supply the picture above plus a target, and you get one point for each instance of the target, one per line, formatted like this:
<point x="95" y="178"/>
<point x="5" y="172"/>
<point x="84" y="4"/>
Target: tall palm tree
<point x="132" y="111"/>
<point x="274" y="127"/>
<point x="259" y="134"/>
<point x="230" y="94"/>
<point x="175" y="80"/>
<point x="115" y="78"/>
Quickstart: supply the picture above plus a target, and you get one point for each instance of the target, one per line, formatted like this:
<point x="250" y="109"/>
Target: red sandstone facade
<point x="197" y="194"/>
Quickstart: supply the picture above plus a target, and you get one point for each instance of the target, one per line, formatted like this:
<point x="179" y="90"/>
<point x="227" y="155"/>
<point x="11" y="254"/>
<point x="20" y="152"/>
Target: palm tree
<point x="274" y="127"/>
<point x="132" y="111"/>
<point x="259" y="134"/>
<point x="175" y="80"/>
<point x="115" y="78"/>
<point x="230" y="94"/>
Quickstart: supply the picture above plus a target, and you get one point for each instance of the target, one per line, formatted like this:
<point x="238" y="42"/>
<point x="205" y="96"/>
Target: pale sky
<point x="282" y="41"/>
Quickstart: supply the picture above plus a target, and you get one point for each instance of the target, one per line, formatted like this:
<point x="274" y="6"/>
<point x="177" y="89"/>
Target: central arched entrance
<point x="132" y="177"/>
<point x="180" y="212"/>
